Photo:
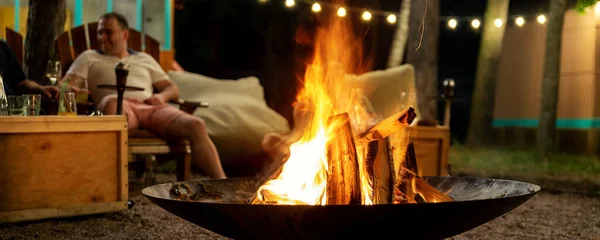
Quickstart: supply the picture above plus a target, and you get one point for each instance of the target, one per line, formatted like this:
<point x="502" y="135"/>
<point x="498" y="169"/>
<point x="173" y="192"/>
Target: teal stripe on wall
<point x="138" y="14"/>
<point x="78" y="13"/>
<point x="581" y="123"/>
<point x="17" y="14"/>
<point x="167" y="45"/>
<point x="109" y="5"/>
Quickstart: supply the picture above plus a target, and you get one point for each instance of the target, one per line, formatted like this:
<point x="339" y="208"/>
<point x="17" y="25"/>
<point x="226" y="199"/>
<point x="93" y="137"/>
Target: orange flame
<point x="303" y="177"/>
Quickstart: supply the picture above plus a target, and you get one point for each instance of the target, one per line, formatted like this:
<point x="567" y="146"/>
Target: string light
<point x="452" y="23"/>
<point x="498" y="22"/>
<point x="341" y="12"/>
<point x="391" y="18"/>
<point x="520" y="21"/>
<point x="316" y="7"/>
<point x="290" y="3"/>
<point x="367" y="16"/>
<point x="475" y="23"/>
<point x="541" y="19"/>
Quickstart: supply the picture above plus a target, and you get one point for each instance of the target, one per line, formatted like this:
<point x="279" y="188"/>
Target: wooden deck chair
<point x="15" y="42"/>
<point x="141" y="142"/>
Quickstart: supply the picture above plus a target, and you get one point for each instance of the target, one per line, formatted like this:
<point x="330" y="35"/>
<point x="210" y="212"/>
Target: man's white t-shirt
<point x="99" y="69"/>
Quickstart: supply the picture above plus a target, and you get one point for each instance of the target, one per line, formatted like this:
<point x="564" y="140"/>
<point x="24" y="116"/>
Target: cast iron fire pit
<point x="477" y="201"/>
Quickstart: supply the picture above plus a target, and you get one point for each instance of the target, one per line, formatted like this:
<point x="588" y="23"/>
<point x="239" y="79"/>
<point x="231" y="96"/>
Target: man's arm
<point x="29" y="86"/>
<point x="167" y="91"/>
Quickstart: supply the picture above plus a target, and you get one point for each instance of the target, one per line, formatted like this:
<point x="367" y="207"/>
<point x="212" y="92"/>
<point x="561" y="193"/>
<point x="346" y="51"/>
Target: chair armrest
<point x="189" y="107"/>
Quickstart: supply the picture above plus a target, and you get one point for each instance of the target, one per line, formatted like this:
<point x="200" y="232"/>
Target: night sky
<point x="227" y="39"/>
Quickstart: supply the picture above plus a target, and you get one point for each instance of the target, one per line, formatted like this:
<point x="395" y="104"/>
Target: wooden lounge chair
<point x="140" y="142"/>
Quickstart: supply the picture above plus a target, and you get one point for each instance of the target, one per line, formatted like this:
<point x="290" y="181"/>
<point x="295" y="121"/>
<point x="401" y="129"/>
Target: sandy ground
<point x="545" y="216"/>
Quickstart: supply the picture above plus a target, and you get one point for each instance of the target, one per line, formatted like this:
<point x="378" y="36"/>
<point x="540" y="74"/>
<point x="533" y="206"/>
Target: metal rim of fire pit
<point x="477" y="201"/>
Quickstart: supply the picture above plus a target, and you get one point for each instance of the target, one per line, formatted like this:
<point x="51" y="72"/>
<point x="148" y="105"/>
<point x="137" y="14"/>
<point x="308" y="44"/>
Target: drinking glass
<point x="81" y="95"/>
<point x="53" y="71"/>
<point x="31" y="104"/>
<point x="70" y="105"/>
<point x="15" y="105"/>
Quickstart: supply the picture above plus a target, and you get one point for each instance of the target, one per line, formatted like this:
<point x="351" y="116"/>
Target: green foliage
<point x="509" y="162"/>
<point x="583" y="4"/>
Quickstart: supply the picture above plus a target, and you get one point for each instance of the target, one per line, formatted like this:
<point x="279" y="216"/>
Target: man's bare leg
<point x="204" y="153"/>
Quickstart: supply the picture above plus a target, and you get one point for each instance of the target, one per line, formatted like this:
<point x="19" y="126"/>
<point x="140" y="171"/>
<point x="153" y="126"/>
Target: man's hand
<point x="49" y="91"/>
<point x="156" y="99"/>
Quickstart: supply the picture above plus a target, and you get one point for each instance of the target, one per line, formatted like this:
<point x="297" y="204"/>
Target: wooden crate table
<point x="58" y="166"/>
<point x="431" y="149"/>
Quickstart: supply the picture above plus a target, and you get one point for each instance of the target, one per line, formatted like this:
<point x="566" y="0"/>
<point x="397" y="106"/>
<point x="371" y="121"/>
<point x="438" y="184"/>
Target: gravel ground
<point x="545" y="216"/>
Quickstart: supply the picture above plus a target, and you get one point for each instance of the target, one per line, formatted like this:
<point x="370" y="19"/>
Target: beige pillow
<point x="389" y="91"/>
<point x="238" y="116"/>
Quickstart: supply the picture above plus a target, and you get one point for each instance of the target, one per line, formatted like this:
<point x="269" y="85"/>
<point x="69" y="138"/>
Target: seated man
<point x="14" y="78"/>
<point x="143" y="109"/>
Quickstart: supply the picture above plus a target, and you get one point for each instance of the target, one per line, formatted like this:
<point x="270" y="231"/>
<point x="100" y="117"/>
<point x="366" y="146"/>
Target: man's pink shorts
<point x="155" y="118"/>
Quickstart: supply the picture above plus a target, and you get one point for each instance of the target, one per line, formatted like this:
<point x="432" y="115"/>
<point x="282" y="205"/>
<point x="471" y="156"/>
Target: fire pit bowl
<point x="477" y="201"/>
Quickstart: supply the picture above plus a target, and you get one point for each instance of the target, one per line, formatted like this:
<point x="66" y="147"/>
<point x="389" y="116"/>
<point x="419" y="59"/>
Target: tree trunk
<point x="45" y="21"/>
<point x="482" y="109"/>
<point x="401" y="36"/>
<point x="547" y="129"/>
<point x="425" y="58"/>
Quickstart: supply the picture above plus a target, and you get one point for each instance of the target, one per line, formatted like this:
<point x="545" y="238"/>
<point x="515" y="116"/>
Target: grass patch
<point x="563" y="172"/>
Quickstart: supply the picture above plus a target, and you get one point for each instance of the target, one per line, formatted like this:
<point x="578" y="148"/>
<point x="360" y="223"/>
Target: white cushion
<point x="238" y="116"/>
<point x="389" y="91"/>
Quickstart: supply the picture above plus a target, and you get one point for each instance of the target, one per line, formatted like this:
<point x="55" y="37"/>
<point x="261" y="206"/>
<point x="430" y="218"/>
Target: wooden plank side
<point x="43" y="170"/>
<point x="92" y="29"/>
<point x="63" y="49"/>
<point x="428" y="156"/>
<point x="79" y="40"/>
<point x="61" y="124"/>
<point x="61" y="211"/>
<point x="15" y="41"/>
<point x="123" y="164"/>
<point x="135" y="40"/>
<point x="152" y="47"/>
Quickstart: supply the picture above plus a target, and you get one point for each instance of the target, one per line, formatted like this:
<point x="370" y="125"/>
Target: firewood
<point x="379" y="171"/>
<point x="429" y="193"/>
<point x="343" y="180"/>
<point x="404" y="189"/>
<point x="389" y="126"/>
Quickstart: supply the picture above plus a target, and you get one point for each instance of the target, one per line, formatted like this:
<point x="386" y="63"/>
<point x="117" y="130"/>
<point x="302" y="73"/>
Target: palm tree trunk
<point x="480" y="125"/>
<point x="423" y="55"/>
<point x="401" y="35"/>
<point x="45" y="21"/>
<point x="546" y="133"/>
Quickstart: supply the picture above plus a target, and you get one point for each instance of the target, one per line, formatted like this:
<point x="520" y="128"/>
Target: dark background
<point x="230" y="39"/>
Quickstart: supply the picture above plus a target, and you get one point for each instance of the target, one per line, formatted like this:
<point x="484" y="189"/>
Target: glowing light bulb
<point x="367" y="16"/>
<point x="520" y="21"/>
<point x="452" y="23"/>
<point x="341" y="12"/>
<point x="391" y="18"/>
<point x="290" y="3"/>
<point x="316" y="7"/>
<point x="541" y="19"/>
<point x="475" y="23"/>
<point x="498" y="22"/>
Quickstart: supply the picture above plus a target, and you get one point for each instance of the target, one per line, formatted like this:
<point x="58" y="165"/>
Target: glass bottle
<point x="3" y="99"/>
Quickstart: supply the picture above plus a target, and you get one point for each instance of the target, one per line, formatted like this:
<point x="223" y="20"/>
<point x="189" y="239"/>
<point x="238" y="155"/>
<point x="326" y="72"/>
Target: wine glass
<point x="53" y="71"/>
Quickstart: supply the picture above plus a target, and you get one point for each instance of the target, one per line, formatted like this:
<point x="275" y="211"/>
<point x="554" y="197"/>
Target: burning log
<point x="379" y="171"/>
<point x="343" y="179"/>
<point x="378" y="164"/>
<point x="389" y="126"/>
<point x="404" y="190"/>
<point x="429" y="193"/>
